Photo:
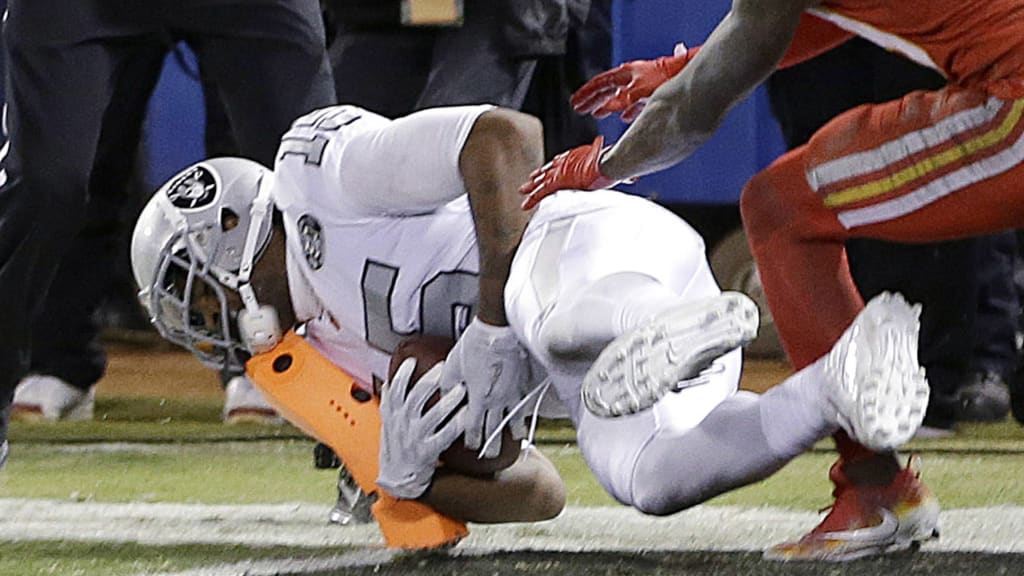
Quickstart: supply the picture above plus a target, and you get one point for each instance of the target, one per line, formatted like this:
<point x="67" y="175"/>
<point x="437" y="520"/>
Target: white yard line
<point x="996" y="529"/>
<point x="365" y="557"/>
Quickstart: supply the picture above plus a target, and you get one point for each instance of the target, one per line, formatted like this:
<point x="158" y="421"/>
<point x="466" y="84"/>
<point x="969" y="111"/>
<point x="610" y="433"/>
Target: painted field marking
<point x="722" y="528"/>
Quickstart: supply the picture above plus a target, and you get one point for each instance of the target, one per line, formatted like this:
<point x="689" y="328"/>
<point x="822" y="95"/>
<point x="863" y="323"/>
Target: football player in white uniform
<point x="391" y="228"/>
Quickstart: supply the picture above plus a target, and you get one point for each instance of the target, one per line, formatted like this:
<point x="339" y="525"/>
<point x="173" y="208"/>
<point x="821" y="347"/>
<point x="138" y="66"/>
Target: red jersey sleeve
<point x="814" y="36"/>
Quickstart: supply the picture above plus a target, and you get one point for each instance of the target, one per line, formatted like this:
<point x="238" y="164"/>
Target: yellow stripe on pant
<point x="927" y="166"/>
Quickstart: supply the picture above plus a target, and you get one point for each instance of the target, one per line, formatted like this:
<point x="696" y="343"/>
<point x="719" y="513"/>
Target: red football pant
<point x="930" y="166"/>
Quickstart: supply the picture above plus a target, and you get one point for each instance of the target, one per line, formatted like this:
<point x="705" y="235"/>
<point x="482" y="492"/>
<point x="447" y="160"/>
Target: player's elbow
<point x="510" y="135"/>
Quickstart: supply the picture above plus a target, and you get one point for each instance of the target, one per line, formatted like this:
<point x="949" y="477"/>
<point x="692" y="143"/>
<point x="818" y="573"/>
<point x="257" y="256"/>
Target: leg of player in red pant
<point x="931" y="166"/>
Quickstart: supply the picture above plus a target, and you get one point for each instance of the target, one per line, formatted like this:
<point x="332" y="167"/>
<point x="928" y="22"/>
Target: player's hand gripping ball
<point x="428" y="351"/>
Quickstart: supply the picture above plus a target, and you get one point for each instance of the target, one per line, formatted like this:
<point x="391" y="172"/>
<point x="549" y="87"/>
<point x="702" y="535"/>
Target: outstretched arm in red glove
<point x="575" y="169"/>
<point x="626" y="87"/>
<point x="693" y="102"/>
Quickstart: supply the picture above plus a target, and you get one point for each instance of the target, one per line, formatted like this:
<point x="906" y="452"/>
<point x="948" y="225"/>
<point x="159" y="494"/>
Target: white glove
<point x="411" y="440"/>
<point x="495" y="369"/>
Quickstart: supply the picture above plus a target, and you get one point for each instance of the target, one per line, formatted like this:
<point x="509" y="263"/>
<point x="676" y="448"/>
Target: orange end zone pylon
<point x="329" y="405"/>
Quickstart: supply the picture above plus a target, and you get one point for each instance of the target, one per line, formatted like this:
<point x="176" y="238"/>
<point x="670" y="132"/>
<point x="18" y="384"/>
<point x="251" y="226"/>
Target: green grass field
<point x="147" y="450"/>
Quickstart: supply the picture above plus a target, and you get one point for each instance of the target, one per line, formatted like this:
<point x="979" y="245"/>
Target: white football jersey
<point x="381" y="242"/>
<point x="381" y="245"/>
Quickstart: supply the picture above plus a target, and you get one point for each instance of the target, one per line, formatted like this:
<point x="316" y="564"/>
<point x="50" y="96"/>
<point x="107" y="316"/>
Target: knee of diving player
<point x="638" y="459"/>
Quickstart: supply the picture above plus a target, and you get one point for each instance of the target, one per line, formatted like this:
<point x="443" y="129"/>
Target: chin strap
<point x="258" y="215"/>
<point x="258" y="326"/>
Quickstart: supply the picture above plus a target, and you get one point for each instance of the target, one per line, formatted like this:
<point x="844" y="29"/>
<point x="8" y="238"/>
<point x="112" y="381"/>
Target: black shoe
<point x="943" y="408"/>
<point x="985" y="398"/>
<point x="324" y="458"/>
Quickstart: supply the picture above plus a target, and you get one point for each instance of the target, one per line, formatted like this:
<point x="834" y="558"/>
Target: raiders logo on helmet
<point x="194" y="189"/>
<point x="312" y="241"/>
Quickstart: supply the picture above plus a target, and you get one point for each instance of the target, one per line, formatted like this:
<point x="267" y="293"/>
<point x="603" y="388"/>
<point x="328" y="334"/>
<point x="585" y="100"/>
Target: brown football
<point x="428" y="351"/>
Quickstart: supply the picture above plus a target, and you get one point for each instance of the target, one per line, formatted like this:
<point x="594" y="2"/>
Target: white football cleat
<point x="667" y="354"/>
<point x="874" y="381"/>
<point x="4" y="448"/>
<point x="244" y="404"/>
<point x="39" y="397"/>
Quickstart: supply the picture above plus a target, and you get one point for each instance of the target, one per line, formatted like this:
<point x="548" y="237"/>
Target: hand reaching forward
<point x="575" y="169"/>
<point x="412" y="436"/>
<point x="495" y="370"/>
<point x="627" y="87"/>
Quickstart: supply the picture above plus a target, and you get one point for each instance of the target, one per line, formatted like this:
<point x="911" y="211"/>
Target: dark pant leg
<point x="843" y="77"/>
<point x="998" y="305"/>
<point x="471" y="66"/>
<point x="593" y="42"/>
<point x="217" y="134"/>
<point x="556" y="77"/>
<point x="942" y="277"/>
<point x="268" y="61"/>
<point x="66" y="339"/>
<point x="57" y="94"/>
<point x="384" y="70"/>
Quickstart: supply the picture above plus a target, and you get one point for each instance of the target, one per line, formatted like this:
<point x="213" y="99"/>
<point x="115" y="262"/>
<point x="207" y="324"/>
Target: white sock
<point x="744" y="439"/>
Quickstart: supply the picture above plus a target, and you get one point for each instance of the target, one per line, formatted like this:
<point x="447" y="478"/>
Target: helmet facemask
<point x="192" y="309"/>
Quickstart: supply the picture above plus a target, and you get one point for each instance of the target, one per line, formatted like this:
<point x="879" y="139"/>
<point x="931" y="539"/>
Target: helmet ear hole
<point x="229" y="219"/>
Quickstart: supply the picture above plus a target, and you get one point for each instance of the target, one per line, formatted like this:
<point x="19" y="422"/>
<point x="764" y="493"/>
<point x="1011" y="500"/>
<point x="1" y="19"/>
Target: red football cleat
<point x="868" y="520"/>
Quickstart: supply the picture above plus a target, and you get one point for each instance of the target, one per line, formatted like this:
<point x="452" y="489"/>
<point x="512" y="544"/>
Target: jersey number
<point x="447" y="304"/>
<point x="309" y="135"/>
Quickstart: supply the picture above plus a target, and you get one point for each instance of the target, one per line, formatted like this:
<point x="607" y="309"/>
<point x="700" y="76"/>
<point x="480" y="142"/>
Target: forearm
<point x="499" y="154"/>
<point x="528" y="491"/>
<point x="685" y="111"/>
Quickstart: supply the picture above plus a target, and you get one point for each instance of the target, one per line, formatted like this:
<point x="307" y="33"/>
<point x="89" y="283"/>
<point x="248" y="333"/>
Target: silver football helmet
<point x="195" y="243"/>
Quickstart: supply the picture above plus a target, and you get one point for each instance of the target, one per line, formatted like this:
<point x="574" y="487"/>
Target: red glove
<point x="626" y="87"/>
<point x="575" y="169"/>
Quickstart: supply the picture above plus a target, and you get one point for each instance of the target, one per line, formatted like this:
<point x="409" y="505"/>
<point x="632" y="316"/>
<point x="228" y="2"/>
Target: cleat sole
<point x="667" y="354"/>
